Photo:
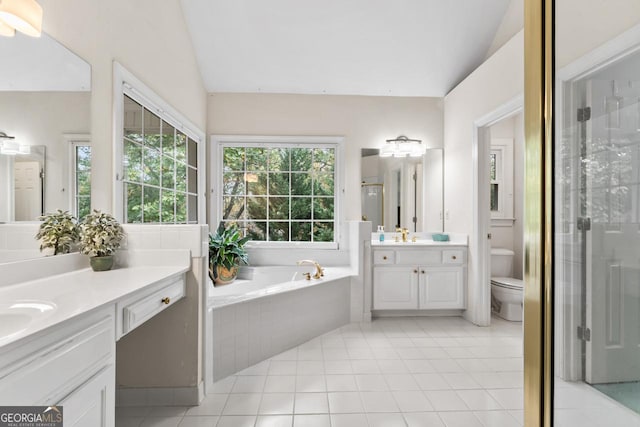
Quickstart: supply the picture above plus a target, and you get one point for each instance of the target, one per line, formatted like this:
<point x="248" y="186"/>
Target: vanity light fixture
<point x="10" y="147"/>
<point x="22" y="15"/>
<point x="402" y="147"/>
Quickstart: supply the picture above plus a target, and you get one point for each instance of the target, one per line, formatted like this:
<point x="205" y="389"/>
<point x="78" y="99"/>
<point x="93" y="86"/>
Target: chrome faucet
<point x="319" y="269"/>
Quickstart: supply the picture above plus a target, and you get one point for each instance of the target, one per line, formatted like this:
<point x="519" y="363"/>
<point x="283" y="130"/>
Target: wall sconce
<point x="403" y="147"/>
<point x="22" y="15"/>
<point x="10" y="147"/>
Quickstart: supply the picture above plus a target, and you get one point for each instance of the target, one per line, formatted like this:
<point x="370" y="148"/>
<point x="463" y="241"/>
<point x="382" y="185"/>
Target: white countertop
<point x="81" y="291"/>
<point x="423" y="239"/>
<point x="410" y="244"/>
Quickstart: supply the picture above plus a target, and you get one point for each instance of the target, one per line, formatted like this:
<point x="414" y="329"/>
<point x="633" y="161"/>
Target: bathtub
<point x="268" y="310"/>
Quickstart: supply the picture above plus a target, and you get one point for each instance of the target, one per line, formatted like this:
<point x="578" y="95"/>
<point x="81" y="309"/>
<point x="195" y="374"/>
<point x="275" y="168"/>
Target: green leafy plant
<point x="100" y="234"/>
<point x="58" y="231"/>
<point x="226" y="247"/>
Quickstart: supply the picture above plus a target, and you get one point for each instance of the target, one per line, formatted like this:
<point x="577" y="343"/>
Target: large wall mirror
<point x="402" y="191"/>
<point x="45" y="95"/>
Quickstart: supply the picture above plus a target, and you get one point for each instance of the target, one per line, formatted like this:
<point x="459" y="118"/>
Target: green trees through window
<point x="280" y="193"/>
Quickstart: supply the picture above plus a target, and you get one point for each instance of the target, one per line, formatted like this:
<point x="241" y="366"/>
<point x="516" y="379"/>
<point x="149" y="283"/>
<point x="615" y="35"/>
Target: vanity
<point x="420" y="275"/>
<point x="58" y="332"/>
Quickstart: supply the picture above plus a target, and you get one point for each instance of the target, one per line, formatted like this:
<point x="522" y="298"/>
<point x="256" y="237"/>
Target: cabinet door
<point x="441" y="288"/>
<point x="395" y="288"/>
<point x="93" y="403"/>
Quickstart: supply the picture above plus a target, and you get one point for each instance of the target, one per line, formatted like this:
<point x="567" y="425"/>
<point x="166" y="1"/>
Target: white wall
<point x="148" y="38"/>
<point x="497" y="81"/>
<point x="364" y="121"/>
<point x="41" y="118"/>
<point x="512" y="23"/>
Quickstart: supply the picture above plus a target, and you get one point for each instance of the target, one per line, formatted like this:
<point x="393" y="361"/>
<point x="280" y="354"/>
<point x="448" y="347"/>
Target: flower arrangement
<point x="58" y="231"/>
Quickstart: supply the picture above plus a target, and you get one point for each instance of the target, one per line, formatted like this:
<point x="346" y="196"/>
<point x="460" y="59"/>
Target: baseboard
<point x="416" y="313"/>
<point x="159" y="396"/>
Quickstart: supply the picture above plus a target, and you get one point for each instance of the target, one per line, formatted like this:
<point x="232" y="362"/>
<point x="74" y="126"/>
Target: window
<point x="160" y="168"/>
<point x="280" y="192"/>
<point x="495" y="183"/>
<point x="501" y="181"/>
<point x="82" y="180"/>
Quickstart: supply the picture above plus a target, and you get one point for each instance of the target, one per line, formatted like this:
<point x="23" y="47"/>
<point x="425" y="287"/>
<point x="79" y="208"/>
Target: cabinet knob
<point x="453" y="257"/>
<point x="384" y="257"/>
<point x="166" y="300"/>
<point x="415" y="271"/>
<point x="422" y="271"/>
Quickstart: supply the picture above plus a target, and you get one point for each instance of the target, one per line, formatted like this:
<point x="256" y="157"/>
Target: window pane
<point x="301" y="208"/>
<point x="233" y="183"/>
<point x="83" y="183"/>
<point x="233" y="208"/>
<point x="84" y="207"/>
<point x="233" y="159"/>
<point x="279" y="183"/>
<point x="323" y="184"/>
<point x="323" y="159"/>
<point x="168" y="139"/>
<point x="278" y="208"/>
<point x="181" y="208"/>
<point x="168" y="206"/>
<point x="257" y="230"/>
<point x="151" y="130"/>
<point x="168" y="173"/>
<point x="192" y="208"/>
<point x="301" y="159"/>
<point x="279" y="231"/>
<point x="181" y="176"/>
<point x="279" y="159"/>
<point x="494" y="197"/>
<point x="151" y="162"/>
<point x="257" y="159"/>
<point x="192" y="180"/>
<point x="257" y="184"/>
<point x="83" y="158"/>
<point x="132" y="161"/>
<point x="132" y="119"/>
<point x="323" y="208"/>
<point x="301" y="184"/>
<point x="133" y="194"/>
<point x="193" y="153"/>
<point x="151" y="204"/>
<point x="301" y="231"/>
<point x="323" y="231"/>
<point x="181" y="146"/>
<point x="257" y="208"/>
<point x="492" y="167"/>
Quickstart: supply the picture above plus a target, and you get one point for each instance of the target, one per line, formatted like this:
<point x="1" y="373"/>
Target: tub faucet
<point x="319" y="269"/>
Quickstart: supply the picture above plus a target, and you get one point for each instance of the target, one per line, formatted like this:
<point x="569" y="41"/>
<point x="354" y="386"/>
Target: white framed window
<point x="281" y="191"/>
<point x="80" y="174"/>
<point x="501" y="178"/>
<point x="159" y="168"/>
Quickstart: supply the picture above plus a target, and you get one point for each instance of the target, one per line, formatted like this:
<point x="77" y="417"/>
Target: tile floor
<point x="426" y="372"/>
<point x="411" y="372"/>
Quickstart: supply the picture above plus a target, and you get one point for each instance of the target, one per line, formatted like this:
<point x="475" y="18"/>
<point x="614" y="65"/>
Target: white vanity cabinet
<point x="419" y="278"/>
<point x="72" y="365"/>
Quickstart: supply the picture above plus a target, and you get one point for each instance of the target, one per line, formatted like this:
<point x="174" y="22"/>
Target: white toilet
<point x="506" y="292"/>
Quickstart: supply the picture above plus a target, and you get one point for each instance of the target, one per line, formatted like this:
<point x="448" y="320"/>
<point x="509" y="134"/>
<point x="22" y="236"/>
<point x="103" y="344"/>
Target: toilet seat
<point x="508" y="283"/>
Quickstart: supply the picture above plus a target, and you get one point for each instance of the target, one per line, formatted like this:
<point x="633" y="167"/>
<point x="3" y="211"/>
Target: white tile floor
<point x="423" y="372"/>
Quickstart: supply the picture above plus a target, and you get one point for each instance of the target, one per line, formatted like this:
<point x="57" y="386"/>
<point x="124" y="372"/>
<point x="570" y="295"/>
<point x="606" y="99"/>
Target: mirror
<point x="45" y="96"/>
<point x="402" y="192"/>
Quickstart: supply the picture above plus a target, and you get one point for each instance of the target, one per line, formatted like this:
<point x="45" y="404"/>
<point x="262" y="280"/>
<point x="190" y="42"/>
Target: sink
<point x="16" y="316"/>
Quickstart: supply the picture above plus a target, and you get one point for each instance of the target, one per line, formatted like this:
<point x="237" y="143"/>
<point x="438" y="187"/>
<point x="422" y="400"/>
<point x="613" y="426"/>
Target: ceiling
<point x="41" y="64"/>
<point x="360" y="47"/>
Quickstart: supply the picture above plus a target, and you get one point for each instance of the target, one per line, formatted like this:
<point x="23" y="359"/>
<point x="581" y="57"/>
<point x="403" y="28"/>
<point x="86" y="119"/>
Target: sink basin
<point x="16" y="316"/>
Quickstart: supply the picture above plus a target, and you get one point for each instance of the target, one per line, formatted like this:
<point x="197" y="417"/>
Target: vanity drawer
<point x="384" y="257"/>
<point x="418" y="256"/>
<point x="453" y="256"/>
<point x="136" y="313"/>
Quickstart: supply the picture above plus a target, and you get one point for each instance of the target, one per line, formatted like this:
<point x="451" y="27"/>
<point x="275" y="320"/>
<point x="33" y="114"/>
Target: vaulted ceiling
<point x="363" y="47"/>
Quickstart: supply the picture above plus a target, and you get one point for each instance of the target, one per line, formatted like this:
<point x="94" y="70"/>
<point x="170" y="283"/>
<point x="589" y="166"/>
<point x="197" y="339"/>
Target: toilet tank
<point x="501" y="262"/>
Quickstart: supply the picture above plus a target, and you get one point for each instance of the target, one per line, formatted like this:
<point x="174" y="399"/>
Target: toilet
<point x="506" y="292"/>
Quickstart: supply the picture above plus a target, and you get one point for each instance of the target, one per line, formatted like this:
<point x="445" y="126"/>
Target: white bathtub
<point x="269" y="310"/>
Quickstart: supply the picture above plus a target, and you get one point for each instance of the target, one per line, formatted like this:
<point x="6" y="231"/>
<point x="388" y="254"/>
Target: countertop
<point x="410" y="244"/>
<point x="78" y="292"/>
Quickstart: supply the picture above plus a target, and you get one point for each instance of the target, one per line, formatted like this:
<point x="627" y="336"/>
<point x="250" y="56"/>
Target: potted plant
<point x="100" y="237"/>
<point x="58" y="231"/>
<point x="226" y="251"/>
